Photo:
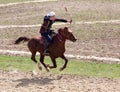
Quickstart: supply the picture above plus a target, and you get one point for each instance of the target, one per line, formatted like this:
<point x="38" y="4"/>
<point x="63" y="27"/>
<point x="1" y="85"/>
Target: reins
<point x="60" y="38"/>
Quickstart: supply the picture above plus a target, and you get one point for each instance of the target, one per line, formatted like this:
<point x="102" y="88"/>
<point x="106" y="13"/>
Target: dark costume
<point x="46" y="27"/>
<point x="46" y="31"/>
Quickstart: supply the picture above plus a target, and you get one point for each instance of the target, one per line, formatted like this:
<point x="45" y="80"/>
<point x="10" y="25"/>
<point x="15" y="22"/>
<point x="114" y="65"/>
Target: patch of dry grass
<point x="79" y="10"/>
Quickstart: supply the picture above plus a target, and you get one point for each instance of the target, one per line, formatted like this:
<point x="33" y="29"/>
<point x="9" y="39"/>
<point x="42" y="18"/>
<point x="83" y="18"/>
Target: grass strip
<point x="74" y="67"/>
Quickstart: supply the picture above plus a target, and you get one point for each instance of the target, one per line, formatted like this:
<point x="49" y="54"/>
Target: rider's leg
<point x="52" y="32"/>
<point x="46" y="44"/>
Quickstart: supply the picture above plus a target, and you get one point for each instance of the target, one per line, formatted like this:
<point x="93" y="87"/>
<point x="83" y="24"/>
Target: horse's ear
<point x="59" y="31"/>
<point x="66" y="28"/>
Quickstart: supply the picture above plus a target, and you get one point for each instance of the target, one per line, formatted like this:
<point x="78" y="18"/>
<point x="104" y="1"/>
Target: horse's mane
<point x="59" y="35"/>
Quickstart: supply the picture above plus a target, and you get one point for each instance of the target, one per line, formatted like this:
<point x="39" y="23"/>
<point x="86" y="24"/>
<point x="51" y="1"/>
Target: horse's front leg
<point x="65" y="64"/>
<point x="54" y="63"/>
<point x="42" y="61"/>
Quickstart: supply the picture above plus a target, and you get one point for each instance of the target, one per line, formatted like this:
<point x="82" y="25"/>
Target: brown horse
<point x="56" y="48"/>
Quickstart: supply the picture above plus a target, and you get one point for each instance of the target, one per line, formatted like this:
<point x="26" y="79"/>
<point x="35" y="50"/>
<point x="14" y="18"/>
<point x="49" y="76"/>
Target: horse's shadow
<point x="40" y="81"/>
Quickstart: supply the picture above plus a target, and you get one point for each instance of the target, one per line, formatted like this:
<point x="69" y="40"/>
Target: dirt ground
<point x="97" y="40"/>
<point x="45" y="82"/>
<point x="100" y="40"/>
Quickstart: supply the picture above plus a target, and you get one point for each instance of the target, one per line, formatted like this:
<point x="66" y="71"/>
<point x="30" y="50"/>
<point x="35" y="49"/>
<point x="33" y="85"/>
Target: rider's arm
<point x="46" y="22"/>
<point x="60" y="20"/>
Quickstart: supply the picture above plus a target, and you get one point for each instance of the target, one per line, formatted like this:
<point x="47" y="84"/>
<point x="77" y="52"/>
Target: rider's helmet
<point x="51" y="14"/>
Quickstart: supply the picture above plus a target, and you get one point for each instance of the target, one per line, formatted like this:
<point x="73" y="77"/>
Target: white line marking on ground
<point x="25" y="2"/>
<point x="23" y="53"/>
<point x="87" y="22"/>
<point x="24" y="26"/>
<point x="17" y="26"/>
<point x="4" y="52"/>
<point x="100" y="22"/>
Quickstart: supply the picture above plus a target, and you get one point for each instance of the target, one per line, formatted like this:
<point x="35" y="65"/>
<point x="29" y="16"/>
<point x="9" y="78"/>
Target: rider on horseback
<point x="45" y="29"/>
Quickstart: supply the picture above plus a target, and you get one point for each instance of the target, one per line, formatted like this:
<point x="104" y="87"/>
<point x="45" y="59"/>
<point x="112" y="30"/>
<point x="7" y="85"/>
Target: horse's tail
<point x="24" y="39"/>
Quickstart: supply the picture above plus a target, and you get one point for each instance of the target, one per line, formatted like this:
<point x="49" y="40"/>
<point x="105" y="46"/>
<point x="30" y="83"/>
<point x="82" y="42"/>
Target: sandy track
<point x="82" y="22"/>
<point x="103" y="59"/>
<point x="25" y="82"/>
<point x="25" y="2"/>
<point x="46" y="82"/>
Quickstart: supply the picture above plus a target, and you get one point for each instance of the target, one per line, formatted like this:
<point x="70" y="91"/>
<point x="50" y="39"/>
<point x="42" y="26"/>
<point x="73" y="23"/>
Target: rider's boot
<point x="46" y="52"/>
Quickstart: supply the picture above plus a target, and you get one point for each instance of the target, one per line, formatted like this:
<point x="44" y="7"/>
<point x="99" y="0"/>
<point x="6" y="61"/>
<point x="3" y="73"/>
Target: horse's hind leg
<point x="34" y="59"/>
<point x="65" y="64"/>
<point x="42" y="61"/>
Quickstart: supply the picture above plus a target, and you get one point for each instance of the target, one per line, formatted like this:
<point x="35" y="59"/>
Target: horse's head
<point x="67" y="33"/>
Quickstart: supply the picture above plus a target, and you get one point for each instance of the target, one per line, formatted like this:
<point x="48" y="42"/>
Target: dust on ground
<point x="26" y="82"/>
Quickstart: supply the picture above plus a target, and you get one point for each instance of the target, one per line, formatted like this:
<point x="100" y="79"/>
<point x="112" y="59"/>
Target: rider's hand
<point x="70" y="21"/>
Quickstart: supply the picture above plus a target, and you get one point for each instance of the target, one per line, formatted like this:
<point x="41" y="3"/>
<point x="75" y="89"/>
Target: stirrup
<point x="46" y="52"/>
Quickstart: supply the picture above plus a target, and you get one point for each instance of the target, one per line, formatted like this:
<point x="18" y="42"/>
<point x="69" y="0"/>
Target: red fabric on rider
<point x="49" y="19"/>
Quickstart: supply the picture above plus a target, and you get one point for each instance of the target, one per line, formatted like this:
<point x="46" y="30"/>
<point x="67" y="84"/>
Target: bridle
<point x="61" y="36"/>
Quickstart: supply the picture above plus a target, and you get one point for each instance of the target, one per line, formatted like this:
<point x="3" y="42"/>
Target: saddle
<point x="44" y="41"/>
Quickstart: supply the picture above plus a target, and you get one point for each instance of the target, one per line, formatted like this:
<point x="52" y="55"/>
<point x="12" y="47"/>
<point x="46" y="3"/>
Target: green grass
<point x="13" y="62"/>
<point x="75" y="67"/>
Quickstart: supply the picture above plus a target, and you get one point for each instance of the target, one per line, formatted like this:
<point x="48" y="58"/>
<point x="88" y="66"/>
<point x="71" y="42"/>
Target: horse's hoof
<point x="48" y="65"/>
<point x="39" y="66"/>
<point x="34" y="72"/>
<point x="48" y="69"/>
<point x="61" y="69"/>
